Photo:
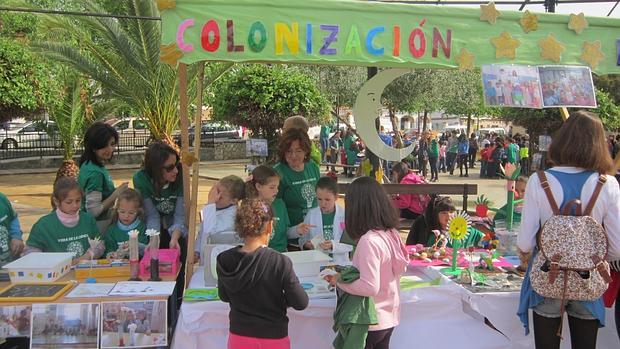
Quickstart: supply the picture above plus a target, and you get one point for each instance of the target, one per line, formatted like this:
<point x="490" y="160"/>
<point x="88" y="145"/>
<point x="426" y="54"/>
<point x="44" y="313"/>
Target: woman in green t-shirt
<point x="66" y="229"/>
<point x="434" y="221"/>
<point x="100" y="142"/>
<point x="161" y="185"/>
<point x="298" y="175"/>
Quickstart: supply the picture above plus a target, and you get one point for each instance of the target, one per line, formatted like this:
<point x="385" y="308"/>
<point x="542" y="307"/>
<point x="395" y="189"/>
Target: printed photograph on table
<point x="134" y="324"/>
<point x="567" y="86"/>
<point x="66" y="326"/>
<point x="15" y="321"/>
<point x="511" y="86"/>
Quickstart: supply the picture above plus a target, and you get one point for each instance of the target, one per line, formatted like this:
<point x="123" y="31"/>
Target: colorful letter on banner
<point x="383" y="34"/>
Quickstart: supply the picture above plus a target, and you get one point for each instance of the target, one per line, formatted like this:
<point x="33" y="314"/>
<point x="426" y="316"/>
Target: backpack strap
<point x="545" y="185"/>
<point x="597" y="190"/>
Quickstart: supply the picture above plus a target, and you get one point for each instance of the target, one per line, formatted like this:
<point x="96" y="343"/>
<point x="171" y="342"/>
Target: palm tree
<point x="123" y="56"/>
<point x="70" y="115"/>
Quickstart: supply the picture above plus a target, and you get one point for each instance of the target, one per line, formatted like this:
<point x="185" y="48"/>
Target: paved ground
<point x="30" y="192"/>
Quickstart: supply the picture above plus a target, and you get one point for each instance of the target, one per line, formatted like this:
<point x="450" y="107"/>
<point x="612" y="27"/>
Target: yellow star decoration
<point x="505" y="45"/>
<point x="577" y="23"/>
<point x="166" y="4"/>
<point x="489" y="13"/>
<point x="170" y="54"/>
<point x="529" y="22"/>
<point x="591" y="53"/>
<point x="550" y="48"/>
<point x="465" y="59"/>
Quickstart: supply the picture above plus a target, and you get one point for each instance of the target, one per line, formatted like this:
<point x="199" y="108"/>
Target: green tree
<point x="261" y="97"/>
<point x="27" y="83"/>
<point x="339" y="84"/>
<point x="609" y="84"/>
<point x="123" y="56"/>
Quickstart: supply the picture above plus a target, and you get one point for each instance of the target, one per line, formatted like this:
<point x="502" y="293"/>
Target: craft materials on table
<point x="144" y="288"/>
<point x="89" y="290"/>
<point x="34" y="291"/>
<point x="445" y="258"/>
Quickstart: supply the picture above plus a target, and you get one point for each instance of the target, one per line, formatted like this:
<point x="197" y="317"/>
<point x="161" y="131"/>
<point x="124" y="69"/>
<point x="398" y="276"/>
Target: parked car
<point x="31" y="134"/>
<point x="209" y="132"/>
<point x="132" y="132"/>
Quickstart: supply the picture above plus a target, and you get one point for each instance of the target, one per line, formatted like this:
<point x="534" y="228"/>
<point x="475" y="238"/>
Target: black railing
<point x="41" y="144"/>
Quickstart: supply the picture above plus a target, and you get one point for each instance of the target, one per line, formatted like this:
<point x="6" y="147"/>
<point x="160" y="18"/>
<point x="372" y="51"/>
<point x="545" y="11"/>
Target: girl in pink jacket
<point x="411" y="206"/>
<point x="380" y="255"/>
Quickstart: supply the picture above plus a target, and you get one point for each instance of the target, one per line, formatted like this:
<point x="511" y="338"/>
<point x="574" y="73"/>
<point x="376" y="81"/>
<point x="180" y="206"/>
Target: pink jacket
<point x="415" y="203"/>
<point x="381" y="258"/>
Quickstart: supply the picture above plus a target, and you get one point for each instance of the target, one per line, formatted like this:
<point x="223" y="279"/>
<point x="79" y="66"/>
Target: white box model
<point x="309" y="262"/>
<point x="40" y="267"/>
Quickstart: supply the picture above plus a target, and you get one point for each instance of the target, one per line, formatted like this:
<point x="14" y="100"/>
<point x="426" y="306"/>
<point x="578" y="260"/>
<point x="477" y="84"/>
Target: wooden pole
<point x="191" y="239"/>
<point x="564" y="113"/>
<point x="184" y="132"/>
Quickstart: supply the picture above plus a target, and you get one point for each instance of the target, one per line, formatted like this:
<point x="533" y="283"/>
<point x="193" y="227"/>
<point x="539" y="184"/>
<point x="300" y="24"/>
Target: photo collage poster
<point x="137" y="324"/>
<point x="65" y="325"/>
<point x="538" y="87"/>
<point x="511" y="86"/>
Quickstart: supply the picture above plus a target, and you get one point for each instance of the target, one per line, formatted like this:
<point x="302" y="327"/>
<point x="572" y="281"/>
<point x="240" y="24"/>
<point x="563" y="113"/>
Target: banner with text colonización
<point x="348" y="32"/>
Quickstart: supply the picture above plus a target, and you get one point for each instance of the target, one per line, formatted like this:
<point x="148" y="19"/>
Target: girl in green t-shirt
<point x="127" y="216"/>
<point x="66" y="229"/>
<point x="263" y="185"/>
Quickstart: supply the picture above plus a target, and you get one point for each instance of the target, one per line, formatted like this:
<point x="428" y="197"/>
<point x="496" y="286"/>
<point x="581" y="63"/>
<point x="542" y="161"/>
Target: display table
<point x="425" y="314"/>
<point x="447" y="313"/>
<point x="500" y="309"/>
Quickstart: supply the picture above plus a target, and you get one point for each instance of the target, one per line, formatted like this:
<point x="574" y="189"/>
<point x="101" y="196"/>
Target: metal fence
<point x="41" y="144"/>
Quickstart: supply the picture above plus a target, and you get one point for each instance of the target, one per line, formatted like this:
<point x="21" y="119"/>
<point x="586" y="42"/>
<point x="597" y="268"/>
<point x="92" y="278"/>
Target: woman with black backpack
<point x="581" y="167"/>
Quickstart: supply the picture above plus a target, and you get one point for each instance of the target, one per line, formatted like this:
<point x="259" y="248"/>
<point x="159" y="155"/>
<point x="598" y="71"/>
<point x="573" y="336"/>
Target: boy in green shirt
<point x="11" y="244"/>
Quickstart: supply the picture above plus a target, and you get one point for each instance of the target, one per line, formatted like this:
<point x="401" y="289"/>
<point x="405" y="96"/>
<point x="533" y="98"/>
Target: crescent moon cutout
<point x="368" y="107"/>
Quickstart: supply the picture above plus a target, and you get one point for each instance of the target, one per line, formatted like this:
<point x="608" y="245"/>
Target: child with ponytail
<point x="258" y="282"/>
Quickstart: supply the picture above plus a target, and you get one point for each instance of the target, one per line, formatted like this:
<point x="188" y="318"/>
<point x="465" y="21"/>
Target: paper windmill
<point x="458" y="226"/>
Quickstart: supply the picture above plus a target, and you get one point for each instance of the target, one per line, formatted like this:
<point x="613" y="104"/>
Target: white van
<point x="457" y="128"/>
<point x="497" y="130"/>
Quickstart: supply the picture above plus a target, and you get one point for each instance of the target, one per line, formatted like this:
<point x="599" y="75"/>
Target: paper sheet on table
<point x="143" y="288"/>
<point x="85" y="290"/>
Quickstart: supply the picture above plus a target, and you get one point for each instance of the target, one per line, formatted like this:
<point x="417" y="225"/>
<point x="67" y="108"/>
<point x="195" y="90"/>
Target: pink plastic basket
<point x="169" y="262"/>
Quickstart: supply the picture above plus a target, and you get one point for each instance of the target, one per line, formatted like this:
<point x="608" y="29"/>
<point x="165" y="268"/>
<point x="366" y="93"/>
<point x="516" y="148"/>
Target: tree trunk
<point x="468" y="125"/>
<point x="424" y="121"/>
<point x="346" y="122"/>
<point x="395" y="128"/>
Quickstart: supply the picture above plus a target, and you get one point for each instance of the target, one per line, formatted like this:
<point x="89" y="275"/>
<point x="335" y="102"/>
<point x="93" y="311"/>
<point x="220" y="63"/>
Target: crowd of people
<point x="290" y="207"/>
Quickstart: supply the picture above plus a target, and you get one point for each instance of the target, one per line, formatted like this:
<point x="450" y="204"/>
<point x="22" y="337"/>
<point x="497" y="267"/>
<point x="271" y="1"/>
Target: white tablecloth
<point x="446" y="314"/>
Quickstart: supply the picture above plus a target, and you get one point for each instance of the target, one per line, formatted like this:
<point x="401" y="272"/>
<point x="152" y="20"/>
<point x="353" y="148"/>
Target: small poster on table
<point x="140" y="324"/>
<point x="66" y="326"/>
<point x="511" y="86"/>
<point x="15" y="321"/>
<point x="256" y="147"/>
<point x="567" y="86"/>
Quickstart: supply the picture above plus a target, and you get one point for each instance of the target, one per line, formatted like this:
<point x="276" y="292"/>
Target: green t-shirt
<point x="7" y="215"/>
<point x="325" y="129"/>
<point x="49" y="235"/>
<point x="115" y="235"/>
<point x="297" y="189"/>
<point x="501" y="215"/>
<point x="279" y="240"/>
<point x="166" y="201"/>
<point x="472" y="239"/>
<point x="328" y="225"/>
<point x="512" y="153"/>
<point x="95" y="178"/>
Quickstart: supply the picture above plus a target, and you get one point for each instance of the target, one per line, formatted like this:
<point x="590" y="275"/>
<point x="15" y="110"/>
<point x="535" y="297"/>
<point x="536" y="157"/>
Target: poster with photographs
<point x="139" y="324"/>
<point x="511" y="86"/>
<point x="66" y="326"/>
<point x="15" y="321"/>
<point x="567" y="86"/>
<point x="256" y="147"/>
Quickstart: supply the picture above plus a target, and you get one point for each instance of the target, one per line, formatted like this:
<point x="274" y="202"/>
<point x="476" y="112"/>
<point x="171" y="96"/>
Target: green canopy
<point x="382" y="34"/>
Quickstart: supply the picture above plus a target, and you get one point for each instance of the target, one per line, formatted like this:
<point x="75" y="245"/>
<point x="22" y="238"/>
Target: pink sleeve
<point x="402" y="201"/>
<point x="367" y="260"/>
